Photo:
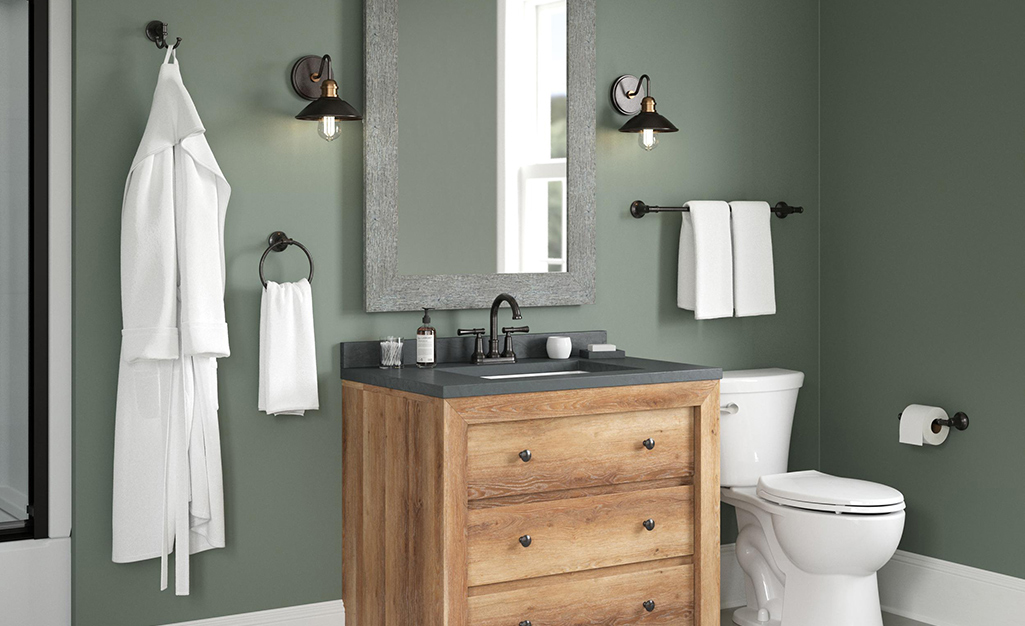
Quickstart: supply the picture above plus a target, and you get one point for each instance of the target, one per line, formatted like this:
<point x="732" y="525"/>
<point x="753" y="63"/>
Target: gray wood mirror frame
<point x="386" y="289"/>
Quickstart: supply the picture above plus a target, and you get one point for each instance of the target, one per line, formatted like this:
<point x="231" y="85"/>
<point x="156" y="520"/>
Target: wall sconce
<point x="630" y="97"/>
<point x="312" y="79"/>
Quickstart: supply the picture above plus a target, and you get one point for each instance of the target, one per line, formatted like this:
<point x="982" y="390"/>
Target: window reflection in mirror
<point x="482" y="136"/>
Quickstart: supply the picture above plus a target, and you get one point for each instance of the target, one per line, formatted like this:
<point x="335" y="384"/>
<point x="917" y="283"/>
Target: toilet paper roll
<point x="916" y="425"/>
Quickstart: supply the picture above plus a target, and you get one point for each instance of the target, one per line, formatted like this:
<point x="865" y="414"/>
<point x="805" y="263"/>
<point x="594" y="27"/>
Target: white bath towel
<point x="288" y="355"/>
<point x="754" y="290"/>
<point x="705" y="281"/>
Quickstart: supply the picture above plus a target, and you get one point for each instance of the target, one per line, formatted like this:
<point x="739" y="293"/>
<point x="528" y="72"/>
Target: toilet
<point x="809" y="544"/>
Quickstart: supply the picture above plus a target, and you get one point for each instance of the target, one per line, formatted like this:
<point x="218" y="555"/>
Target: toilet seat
<point x="814" y="491"/>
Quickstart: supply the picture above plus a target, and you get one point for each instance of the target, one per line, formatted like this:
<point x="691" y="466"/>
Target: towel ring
<point x="278" y="242"/>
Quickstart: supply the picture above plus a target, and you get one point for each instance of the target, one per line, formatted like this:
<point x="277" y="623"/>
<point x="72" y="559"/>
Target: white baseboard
<point x="947" y="594"/>
<point x="921" y="588"/>
<point x="321" y="614"/>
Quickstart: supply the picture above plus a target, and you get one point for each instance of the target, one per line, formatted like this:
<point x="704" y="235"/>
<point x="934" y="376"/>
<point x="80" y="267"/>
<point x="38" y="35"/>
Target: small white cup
<point x="559" y="347"/>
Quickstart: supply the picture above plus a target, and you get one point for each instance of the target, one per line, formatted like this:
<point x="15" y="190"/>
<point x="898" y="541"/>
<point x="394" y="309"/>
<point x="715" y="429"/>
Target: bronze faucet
<point x="494" y="356"/>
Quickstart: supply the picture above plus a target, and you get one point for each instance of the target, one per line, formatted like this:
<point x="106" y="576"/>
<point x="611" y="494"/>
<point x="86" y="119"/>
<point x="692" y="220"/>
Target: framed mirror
<point x="479" y="140"/>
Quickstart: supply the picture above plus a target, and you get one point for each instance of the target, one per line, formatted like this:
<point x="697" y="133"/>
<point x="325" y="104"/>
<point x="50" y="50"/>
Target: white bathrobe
<point x="167" y="459"/>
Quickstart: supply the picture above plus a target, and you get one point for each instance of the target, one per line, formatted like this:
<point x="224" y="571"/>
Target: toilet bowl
<point x="809" y="544"/>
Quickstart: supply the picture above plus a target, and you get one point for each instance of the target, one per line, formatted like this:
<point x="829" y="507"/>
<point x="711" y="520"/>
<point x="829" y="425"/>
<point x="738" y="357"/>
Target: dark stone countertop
<point x="459" y="378"/>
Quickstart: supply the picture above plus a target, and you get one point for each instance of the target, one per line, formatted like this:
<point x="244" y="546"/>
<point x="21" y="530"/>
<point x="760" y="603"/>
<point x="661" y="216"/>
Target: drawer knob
<point x="525" y="541"/>
<point x="649" y="443"/>
<point x="649" y="524"/>
<point x="649" y="605"/>
<point x="525" y="622"/>
<point x="525" y="456"/>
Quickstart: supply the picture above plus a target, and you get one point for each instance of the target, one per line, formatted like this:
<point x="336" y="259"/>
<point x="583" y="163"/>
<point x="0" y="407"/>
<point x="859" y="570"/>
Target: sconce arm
<point x="325" y="63"/>
<point x="644" y="77"/>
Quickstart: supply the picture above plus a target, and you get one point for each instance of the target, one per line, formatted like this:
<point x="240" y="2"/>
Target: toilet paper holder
<point x="958" y="421"/>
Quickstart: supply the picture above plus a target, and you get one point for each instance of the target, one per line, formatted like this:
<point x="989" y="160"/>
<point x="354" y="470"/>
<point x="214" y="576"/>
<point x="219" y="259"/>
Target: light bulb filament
<point x="329" y="128"/>
<point x="648" y="139"/>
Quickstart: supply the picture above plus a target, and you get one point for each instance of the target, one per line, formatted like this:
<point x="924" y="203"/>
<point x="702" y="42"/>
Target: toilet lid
<point x="816" y="491"/>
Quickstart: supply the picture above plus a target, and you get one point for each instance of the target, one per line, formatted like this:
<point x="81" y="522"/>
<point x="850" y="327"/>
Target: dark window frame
<point x="37" y="526"/>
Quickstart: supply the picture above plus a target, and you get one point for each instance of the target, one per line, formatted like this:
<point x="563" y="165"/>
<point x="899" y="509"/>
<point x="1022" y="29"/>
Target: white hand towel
<point x="288" y="354"/>
<point x="705" y="282"/>
<point x="754" y="290"/>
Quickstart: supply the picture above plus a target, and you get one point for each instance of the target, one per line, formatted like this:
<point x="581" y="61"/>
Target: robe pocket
<point x="148" y="388"/>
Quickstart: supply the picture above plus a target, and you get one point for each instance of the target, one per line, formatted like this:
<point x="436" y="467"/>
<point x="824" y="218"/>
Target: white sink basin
<point x="535" y="368"/>
<point x="534" y="374"/>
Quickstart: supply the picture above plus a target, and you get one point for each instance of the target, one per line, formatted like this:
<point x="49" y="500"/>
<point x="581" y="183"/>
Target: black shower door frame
<point x="37" y="526"/>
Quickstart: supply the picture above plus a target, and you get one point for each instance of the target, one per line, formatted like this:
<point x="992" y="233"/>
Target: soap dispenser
<point x="425" y="341"/>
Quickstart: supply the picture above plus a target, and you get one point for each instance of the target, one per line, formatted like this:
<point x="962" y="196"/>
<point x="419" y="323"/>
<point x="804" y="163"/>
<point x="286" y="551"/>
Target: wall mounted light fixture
<point x="312" y="79"/>
<point x="630" y="97"/>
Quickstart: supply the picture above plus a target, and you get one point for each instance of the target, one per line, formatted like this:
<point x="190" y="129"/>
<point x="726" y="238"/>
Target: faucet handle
<point x="478" y="347"/>
<point x="509" y="330"/>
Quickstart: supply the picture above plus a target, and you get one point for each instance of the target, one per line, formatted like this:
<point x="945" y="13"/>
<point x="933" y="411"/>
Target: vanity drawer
<point x="613" y="600"/>
<point x="578" y="534"/>
<point x="578" y="451"/>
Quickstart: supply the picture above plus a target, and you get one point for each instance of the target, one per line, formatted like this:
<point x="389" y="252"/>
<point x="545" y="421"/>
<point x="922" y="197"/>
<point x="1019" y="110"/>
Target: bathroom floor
<point x="888" y="620"/>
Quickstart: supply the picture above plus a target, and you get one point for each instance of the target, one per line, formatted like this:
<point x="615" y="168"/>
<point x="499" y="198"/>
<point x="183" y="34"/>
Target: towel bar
<point x="638" y="209"/>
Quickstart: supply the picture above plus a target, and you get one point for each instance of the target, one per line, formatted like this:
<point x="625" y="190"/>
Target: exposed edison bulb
<point x="329" y="128"/>
<point x="648" y="139"/>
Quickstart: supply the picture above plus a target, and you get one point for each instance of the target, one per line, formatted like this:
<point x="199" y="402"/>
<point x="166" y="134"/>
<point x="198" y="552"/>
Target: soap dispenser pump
<point x="425" y="342"/>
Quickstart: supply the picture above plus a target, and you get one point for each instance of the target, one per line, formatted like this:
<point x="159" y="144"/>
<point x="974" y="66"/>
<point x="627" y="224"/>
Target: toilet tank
<point x="756" y="416"/>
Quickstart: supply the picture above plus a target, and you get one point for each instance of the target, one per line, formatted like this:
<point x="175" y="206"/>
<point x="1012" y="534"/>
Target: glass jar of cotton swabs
<point x="391" y="352"/>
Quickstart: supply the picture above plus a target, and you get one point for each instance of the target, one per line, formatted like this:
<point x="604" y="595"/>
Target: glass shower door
<point x="14" y="265"/>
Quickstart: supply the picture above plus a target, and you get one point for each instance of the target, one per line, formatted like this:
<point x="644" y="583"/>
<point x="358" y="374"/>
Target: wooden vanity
<point x="556" y="508"/>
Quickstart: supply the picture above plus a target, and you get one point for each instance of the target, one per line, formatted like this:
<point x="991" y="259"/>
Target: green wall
<point x="922" y="262"/>
<point x="747" y="113"/>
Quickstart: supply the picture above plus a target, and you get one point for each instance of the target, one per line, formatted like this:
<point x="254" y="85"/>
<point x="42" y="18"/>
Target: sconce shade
<point x="648" y="119"/>
<point x="329" y="106"/>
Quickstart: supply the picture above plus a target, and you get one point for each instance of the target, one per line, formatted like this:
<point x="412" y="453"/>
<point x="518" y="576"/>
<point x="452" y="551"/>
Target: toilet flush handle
<point x="729" y="409"/>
